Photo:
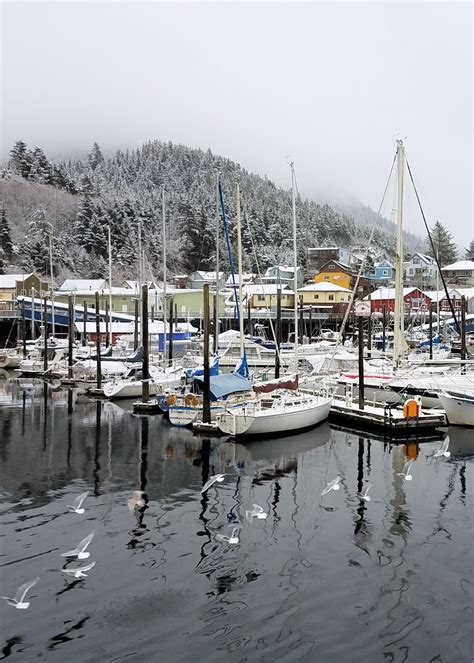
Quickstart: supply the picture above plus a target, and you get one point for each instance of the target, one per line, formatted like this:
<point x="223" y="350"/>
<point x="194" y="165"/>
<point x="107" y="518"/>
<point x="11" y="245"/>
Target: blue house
<point x="382" y="272"/>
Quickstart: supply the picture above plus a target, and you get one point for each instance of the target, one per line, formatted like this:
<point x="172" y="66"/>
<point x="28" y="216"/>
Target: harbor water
<point x="331" y="577"/>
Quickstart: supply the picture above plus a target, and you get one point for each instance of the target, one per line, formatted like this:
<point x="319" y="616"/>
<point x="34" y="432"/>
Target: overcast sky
<point x="331" y="85"/>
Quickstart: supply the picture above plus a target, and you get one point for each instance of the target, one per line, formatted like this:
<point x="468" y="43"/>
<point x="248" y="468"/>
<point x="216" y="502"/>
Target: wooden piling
<point x="278" y="335"/>
<point x="135" y="326"/>
<point x="170" y="342"/>
<point x="108" y="328"/>
<point x="463" y="328"/>
<point x="430" y="323"/>
<point x="97" y="343"/>
<point x="84" y="314"/>
<point x="206" y="405"/>
<point x="361" y="363"/>
<point x="70" y="337"/>
<point x="45" y="334"/>
<point x="145" y="343"/>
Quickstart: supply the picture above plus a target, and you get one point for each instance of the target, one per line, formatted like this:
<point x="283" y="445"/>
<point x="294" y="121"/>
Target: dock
<point x="389" y="418"/>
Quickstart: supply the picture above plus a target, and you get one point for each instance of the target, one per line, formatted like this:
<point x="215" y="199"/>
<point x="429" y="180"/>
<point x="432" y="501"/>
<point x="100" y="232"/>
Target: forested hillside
<point x="79" y="199"/>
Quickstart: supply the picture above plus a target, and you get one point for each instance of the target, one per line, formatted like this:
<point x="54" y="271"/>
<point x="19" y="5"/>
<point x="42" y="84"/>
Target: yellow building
<point x="335" y="272"/>
<point x="324" y="294"/>
<point x="265" y="295"/>
<point x="12" y="285"/>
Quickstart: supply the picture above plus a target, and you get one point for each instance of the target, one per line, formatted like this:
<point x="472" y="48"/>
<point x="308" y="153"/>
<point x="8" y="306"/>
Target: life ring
<point x="191" y="400"/>
<point x="171" y="399"/>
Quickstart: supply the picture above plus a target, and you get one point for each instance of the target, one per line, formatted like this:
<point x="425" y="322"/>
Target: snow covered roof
<point x="245" y="278"/>
<point x="8" y="281"/>
<point x="424" y="257"/>
<point x="266" y="289"/>
<point x="387" y="293"/>
<point x="453" y="292"/>
<point x="383" y="262"/>
<point x="462" y="265"/>
<point x="324" y="286"/>
<point x="207" y="276"/>
<point x="91" y="285"/>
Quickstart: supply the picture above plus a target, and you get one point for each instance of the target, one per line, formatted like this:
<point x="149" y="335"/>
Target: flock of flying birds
<point x="80" y="551"/>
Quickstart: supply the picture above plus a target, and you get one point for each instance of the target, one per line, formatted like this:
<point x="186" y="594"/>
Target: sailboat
<point x="285" y="410"/>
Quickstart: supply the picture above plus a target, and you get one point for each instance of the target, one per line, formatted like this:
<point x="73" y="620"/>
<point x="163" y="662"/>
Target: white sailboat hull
<point x="250" y="420"/>
<point x="459" y="409"/>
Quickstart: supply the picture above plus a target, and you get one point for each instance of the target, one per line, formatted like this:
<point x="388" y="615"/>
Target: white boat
<point x="285" y="411"/>
<point x="131" y="387"/>
<point x="10" y="359"/>
<point x="459" y="407"/>
<point x="430" y="385"/>
<point x="282" y="412"/>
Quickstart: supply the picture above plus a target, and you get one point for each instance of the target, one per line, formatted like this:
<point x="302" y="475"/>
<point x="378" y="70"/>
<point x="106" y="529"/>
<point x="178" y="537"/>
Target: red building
<point x="384" y="298"/>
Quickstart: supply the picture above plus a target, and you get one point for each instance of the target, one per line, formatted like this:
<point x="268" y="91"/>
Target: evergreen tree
<point x="444" y="245"/>
<point x="21" y="159"/>
<point x="40" y="170"/>
<point x="95" y="157"/>
<point x="469" y="255"/>
<point x="6" y="243"/>
<point x="35" y="248"/>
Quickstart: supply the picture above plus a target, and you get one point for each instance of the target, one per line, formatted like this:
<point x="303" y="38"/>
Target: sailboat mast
<point x="163" y="213"/>
<point x="295" y="260"/>
<point x="140" y="275"/>
<point x="216" y="322"/>
<point x="110" y="285"/>
<point x="239" y="252"/>
<point x="399" y="303"/>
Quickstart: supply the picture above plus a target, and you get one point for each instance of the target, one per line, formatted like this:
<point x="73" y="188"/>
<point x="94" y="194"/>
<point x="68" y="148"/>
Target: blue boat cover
<point x="225" y="384"/>
<point x="213" y="369"/>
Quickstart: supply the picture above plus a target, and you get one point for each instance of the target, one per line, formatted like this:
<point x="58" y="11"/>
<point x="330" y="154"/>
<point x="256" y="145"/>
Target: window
<point x="124" y="308"/>
<point x="330" y="266"/>
<point x="331" y="298"/>
<point x="326" y="278"/>
<point x="316" y="296"/>
<point x="261" y="298"/>
<point x="385" y="272"/>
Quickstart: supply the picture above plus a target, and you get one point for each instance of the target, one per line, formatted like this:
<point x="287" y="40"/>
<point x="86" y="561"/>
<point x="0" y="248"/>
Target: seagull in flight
<point x="405" y="473"/>
<point x="233" y="538"/>
<point x="79" y="571"/>
<point x="256" y="512"/>
<point x="216" y="478"/>
<point x="80" y="550"/>
<point x="17" y="601"/>
<point x="332" y="485"/>
<point x="77" y="508"/>
<point x="443" y="450"/>
<point x="364" y="494"/>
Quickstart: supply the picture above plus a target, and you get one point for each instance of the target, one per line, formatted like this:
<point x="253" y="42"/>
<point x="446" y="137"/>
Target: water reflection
<point x="370" y="578"/>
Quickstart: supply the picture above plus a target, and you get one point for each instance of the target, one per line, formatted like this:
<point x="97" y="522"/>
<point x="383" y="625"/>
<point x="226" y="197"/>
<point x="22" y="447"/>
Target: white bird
<point x="256" y="512"/>
<point x="405" y="473"/>
<point x="233" y="538"/>
<point x="80" y="550"/>
<point x="332" y="485"/>
<point x="136" y="500"/>
<point x="78" y="503"/>
<point x="364" y="495"/>
<point x="443" y="450"/>
<point x="78" y="571"/>
<point x="17" y="601"/>
<point x="211" y="481"/>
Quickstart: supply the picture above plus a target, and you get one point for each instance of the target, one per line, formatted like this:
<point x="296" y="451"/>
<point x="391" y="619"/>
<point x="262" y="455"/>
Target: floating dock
<point x="389" y="418"/>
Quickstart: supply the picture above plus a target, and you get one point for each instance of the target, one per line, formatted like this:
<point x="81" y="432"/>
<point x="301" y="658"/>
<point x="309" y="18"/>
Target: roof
<point x="388" y="293"/>
<point x="245" y="277"/>
<point x="383" y="262"/>
<point x="342" y="265"/>
<point x="266" y="289"/>
<point x="456" y="292"/>
<point x="461" y="265"/>
<point x="82" y="284"/>
<point x="207" y="276"/>
<point x="283" y="268"/>
<point x="9" y="280"/>
<point x="324" y="286"/>
<point x="424" y="257"/>
<point x="325" y="248"/>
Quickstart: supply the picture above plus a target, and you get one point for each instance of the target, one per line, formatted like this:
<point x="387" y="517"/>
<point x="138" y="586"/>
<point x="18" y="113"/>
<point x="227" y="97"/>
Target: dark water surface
<point x="328" y="578"/>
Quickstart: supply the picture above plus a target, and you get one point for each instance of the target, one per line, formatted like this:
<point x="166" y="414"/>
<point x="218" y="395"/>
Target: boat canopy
<point x="225" y="384"/>
<point x="287" y="382"/>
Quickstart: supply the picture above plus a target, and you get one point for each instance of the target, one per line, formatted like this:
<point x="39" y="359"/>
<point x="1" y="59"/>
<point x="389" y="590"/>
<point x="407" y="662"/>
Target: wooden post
<point x="170" y="345"/>
<point x="249" y="318"/>
<point x="153" y="313"/>
<point x="23" y="329"/>
<point x="310" y="323"/>
<point x="70" y="336"/>
<point x="97" y="342"/>
<point x="361" y="362"/>
<point x="145" y="339"/>
<point x="206" y="405"/>
<point x="430" y="322"/>
<point x="463" y="328"/>
<point x="108" y="330"/>
<point x="369" y="336"/>
<point x="135" y="328"/>
<point x="215" y="325"/>
<point x="84" y="315"/>
<point x="45" y="333"/>
<point x="278" y="334"/>
<point x="301" y="330"/>
<point x="384" y="326"/>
